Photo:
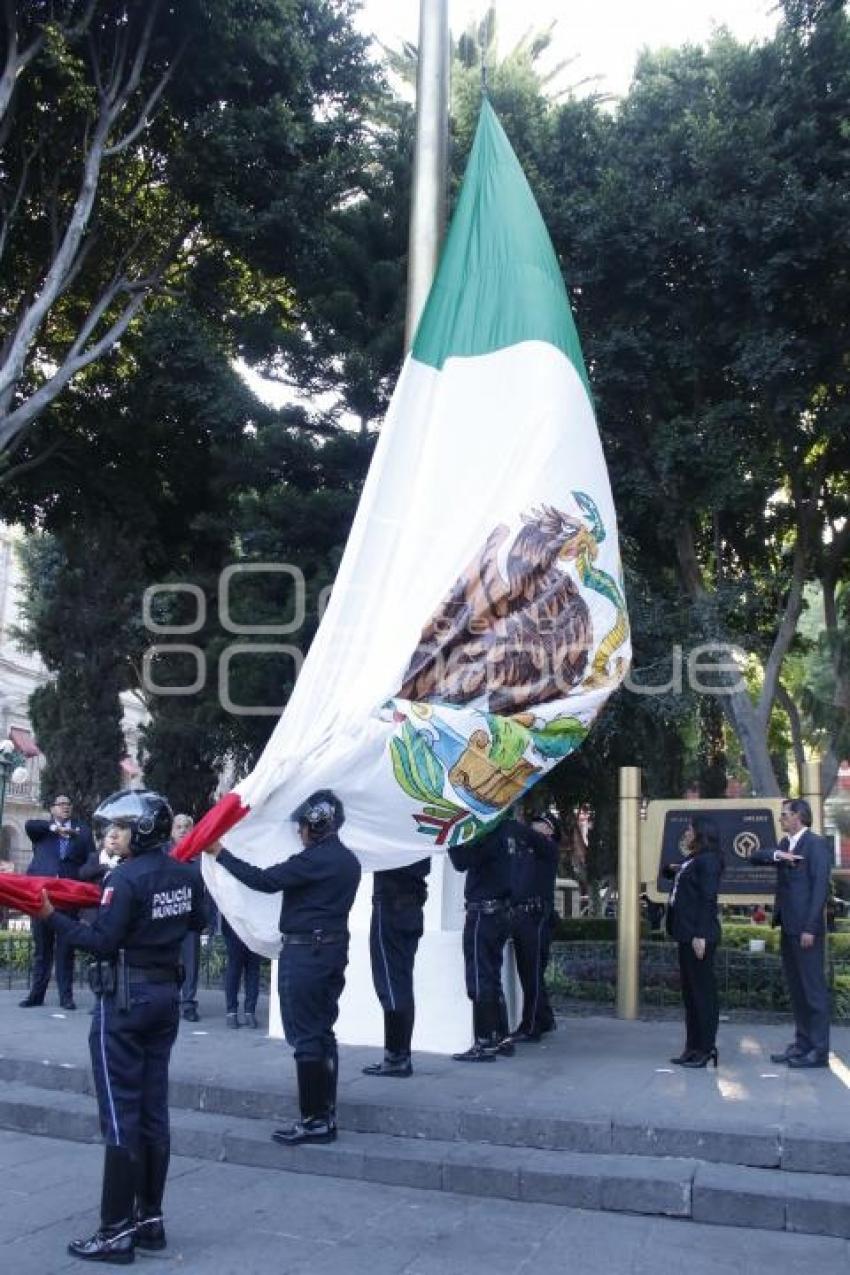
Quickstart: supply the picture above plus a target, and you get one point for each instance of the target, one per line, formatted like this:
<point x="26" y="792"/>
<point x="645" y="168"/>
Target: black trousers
<point x="529" y="933"/>
<point x="484" y="937"/>
<point x="130" y="1051"/>
<point x="545" y="1015"/>
<point x="241" y="961"/>
<point x="190" y="959"/>
<point x="310" y="979"/>
<point x="49" y="946"/>
<point x="699" y="993"/>
<point x="805" y="976"/>
<point x="394" y="936"/>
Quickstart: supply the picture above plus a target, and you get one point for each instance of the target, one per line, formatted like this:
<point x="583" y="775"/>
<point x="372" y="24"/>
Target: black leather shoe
<point x="232" y="1020"/>
<point x="150" y="1234"/>
<point x="522" y="1037"/>
<point x="506" y="1047"/>
<point x="787" y="1054"/>
<point x="67" y="1004"/>
<point x="390" y="1065"/>
<point x="114" y="1244"/>
<point x="251" y="1019"/>
<point x="315" y="1129"/>
<point x="479" y="1052"/>
<point x="812" y="1059"/>
<point x="191" y="1015"/>
<point x="29" y="1003"/>
<point x="684" y="1056"/>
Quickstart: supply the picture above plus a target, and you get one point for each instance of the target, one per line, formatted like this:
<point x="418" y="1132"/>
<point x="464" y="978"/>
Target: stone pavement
<point x="224" y="1219"/>
<point x="594" y="1117"/>
<point x="592" y="1069"/>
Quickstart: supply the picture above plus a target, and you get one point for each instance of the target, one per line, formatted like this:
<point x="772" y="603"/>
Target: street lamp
<point x="10" y="771"/>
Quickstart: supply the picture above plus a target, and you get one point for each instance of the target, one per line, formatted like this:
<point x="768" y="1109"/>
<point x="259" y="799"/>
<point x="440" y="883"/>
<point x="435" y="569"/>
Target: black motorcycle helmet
<point x="321" y="813"/>
<point x="146" y="814"/>
<point x="552" y="820"/>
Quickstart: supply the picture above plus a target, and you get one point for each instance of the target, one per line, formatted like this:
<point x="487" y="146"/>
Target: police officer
<point x="60" y="847"/>
<point x="547" y="876"/>
<point x="487" y="895"/>
<point x="319" y="885"/>
<point x="534" y="867"/>
<point x="398" y="898"/>
<point x="190" y="949"/>
<point x="149" y="902"/>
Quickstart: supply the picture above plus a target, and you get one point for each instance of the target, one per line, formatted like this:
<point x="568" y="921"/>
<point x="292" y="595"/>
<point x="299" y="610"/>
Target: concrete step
<point x="817" y="1204"/>
<point x="393" y="1112"/>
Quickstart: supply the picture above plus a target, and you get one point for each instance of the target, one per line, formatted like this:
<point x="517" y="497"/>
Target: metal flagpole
<point x="443" y="1017"/>
<point x="428" y="192"/>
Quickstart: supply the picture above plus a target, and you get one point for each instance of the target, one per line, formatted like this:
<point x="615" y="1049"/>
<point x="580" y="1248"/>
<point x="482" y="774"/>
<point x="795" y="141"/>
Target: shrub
<point x="585" y="929"/>
<point x="587" y="971"/>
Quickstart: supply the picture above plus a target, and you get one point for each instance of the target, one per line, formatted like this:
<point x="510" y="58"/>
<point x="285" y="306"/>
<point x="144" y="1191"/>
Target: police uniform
<point x="534" y="866"/>
<point x="149" y="902"/>
<point x="547" y="874"/>
<point x="487" y="896"/>
<point x="319" y="885"/>
<point x="398" y="898"/>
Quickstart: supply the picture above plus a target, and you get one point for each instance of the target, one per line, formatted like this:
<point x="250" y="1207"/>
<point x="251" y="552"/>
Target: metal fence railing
<point x="587" y="971"/>
<point x="582" y="971"/>
<point x="16" y="957"/>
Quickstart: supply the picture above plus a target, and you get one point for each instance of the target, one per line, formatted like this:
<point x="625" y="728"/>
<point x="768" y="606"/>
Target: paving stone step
<point x="390" y="1114"/>
<point x="731" y="1195"/>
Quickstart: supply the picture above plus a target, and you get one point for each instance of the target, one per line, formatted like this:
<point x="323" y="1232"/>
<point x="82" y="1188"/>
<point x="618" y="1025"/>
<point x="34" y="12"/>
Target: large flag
<point x="478" y="623"/>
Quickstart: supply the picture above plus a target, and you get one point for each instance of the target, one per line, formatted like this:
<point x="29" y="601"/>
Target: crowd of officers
<point x="152" y="903"/>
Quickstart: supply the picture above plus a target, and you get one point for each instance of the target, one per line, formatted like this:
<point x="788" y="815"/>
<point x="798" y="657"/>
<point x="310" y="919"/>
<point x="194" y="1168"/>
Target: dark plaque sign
<point x="741" y="831"/>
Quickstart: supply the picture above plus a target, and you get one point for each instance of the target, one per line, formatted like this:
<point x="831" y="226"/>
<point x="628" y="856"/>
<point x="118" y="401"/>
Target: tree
<point x="154" y="507"/>
<point x="76" y="613"/>
<point x="172" y="128"/>
<point x="716" y="315"/>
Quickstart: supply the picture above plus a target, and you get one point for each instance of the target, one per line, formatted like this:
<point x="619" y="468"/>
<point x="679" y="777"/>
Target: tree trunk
<point x="752" y="732"/>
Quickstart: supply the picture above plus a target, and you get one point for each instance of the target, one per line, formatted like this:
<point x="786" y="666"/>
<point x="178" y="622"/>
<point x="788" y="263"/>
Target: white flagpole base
<point x="443" y="1010"/>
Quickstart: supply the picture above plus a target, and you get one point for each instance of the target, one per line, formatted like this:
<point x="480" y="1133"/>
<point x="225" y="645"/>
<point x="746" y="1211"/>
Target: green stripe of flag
<point x="498" y="282"/>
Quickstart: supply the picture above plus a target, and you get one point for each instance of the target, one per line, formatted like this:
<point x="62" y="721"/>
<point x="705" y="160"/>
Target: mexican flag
<point x="478" y="623"/>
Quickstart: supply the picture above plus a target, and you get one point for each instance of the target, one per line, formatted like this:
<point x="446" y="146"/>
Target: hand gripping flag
<point x="478" y="622"/>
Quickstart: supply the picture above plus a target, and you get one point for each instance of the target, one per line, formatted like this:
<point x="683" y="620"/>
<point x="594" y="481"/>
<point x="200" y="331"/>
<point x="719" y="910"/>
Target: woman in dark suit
<point x="692" y="922"/>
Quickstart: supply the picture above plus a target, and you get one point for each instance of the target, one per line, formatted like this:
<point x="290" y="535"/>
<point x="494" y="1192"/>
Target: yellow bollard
<point x="628" y="887"/>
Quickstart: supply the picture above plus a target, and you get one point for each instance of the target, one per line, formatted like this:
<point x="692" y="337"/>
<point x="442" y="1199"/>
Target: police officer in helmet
<point x="318" y="885"/>
<point x="397" y="926"/>
<point x="149" y="903"/>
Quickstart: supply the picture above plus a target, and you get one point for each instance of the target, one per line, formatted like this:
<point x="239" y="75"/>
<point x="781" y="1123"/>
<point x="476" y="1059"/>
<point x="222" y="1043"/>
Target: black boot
<point x="315" y="1124"/>
<point x="150" y="1231"/>
<point x="485" y="1025"/>
<point x="398" y="1028"/>
<point x="115" y="1241"/>
<point x="332" y="1065"/>
<point x="390" y="1065"/>
<point x="114" y="1244"/>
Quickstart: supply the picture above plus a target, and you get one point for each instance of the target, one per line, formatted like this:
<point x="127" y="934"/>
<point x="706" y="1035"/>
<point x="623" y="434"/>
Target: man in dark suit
<point x="60" y="846"/>
<point x="803" y="861"/>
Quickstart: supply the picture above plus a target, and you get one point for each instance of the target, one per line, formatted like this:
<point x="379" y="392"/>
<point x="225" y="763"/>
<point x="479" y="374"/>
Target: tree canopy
<point x="259" y="210"/>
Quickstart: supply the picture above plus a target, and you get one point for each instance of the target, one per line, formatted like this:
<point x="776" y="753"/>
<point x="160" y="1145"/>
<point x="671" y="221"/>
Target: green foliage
<point x="587" y="971"/>
<point x="244" y="121"/>
<point x="78" y="611"/>
<point x="584" y="929"/>
<point x="738" y="937"/>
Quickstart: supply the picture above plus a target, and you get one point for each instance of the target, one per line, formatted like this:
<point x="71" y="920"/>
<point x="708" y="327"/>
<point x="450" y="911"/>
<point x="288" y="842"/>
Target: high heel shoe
<point x="684" y="1056"/>
<point x="702" y="1060"/>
